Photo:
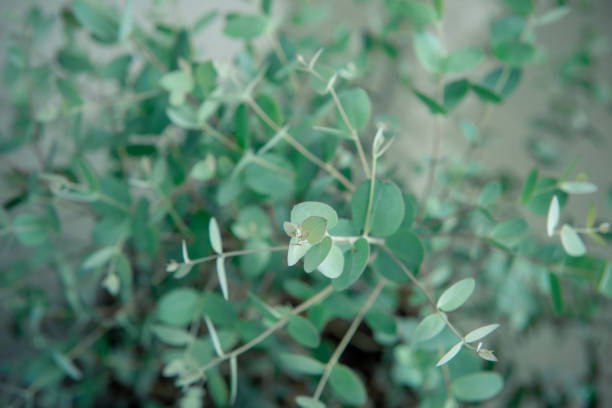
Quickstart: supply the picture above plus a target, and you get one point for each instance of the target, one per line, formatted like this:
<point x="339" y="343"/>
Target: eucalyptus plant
<point x="225" y="232"/>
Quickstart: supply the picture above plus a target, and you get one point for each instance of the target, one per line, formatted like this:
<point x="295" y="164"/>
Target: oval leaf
<point x="578" y="187"/>
<point x="297" y="363"/>
<point x="333" y="265"/>
<point x="553" y="216"/>
<point x="317" y="254"/>
<point x="456" y="295"/>
<point x="479" y="333"/>
<point x="477" y="386"/>
<point x="387" y="210"/>
<point x="428" y="328"/>
<point x="301" y="211"/>
<point x="450" y="354"/>
<point x="347" y="386"/>
<point x="215" y="236"/>
<point x="355" y="261"/>
<point x="303" y="331"/>
<point x="571" y="241"/>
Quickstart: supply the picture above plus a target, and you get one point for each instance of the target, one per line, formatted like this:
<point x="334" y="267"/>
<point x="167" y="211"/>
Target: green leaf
<point x="179" y="306"/>
<point x="462" y="60"/>
<point x="489" y="194"/>
<point x="254" y="264"/>
<point x="420" y="13"/>
<point x="97" y="19"/>
<point x="485" y="93"/>
<point x="507" y="30"/>
<point x="387" y="210"/>
<point x="553" y="15"/>
<point x="125" y="27"/>
<point x="333" y="265"/>
<point x="67" y="366"/>
<point x="381" y="321"/>
<point x="428" y="328"/>
<point x="428" y="51"/>
<point x="529" y="186"/>
<point x="552" y="220"/>
<point x="219" y="310"/>
<point x="178" y="83"/>
<point x="171" y="335"/>
<point x="480" y="332"/>
<point x="454" y="93"/>
<point x="347" y="386"/>
<point x="456" y="295"/>
<point x="269" y="181"/>
<point x="308" y="402"/>
<point x="300" y="364"/>
<point x="556" y="294"/>
<point x="433" y="106"/>
<point x="252" y="222"/>
<point x="571" y="241"/>
<point x="204" y="169"/>
<point x="357" y="106"/>
<point x="100" y="257"/>
<point x="355" y="261"/>
<point x="520" y="7"/>
<point x="544" y="191"/>
<point x="510" y="231"/>
<point x="514" y="54"/>
<point x="301" y="211"/>
<point x="214" y="235"/>
<point x="303" y="331"/>
<point x="407" y="247"/>
<point x="477" y="386"/>
<point x="450" y="354"/>
<point x="317" y="254"/>
<point x="183" y="116"/>
<point x="296" y="251"/>
<point x="222" y="276"/>
<point x="578" y="187"/>
<point x="314" y="229"/>
<point x="245" y="27"/>
<point x="31" y="229"/>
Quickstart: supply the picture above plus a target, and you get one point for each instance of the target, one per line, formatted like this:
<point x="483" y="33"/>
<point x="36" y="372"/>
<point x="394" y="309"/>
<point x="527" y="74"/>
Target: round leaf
<point x="333" y="265"/>
<point x="477" y="386"/>
<point x="313" y="229"/>
<point x="301" y="211"/>
<point x="355" y="261"/>
<point x="357" y="106"/>
<point x="387" y="210"/>
<point x="31" y="229"/>
<point x="317" y="254"/>
<point x="179" y="307"/>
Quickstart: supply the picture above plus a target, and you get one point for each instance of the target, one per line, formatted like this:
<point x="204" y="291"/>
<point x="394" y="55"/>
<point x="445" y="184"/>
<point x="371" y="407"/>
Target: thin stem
<point x="354" y="135"/>
<point x="348" y="336"/>
<point x="431" y="169"/>
<point x="235" y="253"/>
<point x="351" y="239"/>
<point x="299" y="147"/>
<point x="366" y="225"/>
<point x="264" y="335"/>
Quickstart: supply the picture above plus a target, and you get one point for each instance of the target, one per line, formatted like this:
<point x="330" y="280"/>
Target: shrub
<point x="229" y="233"/>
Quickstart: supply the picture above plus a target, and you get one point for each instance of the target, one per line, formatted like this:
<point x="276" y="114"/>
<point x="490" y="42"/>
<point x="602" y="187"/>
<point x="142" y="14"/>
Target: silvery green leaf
<point x="296" y="251"/>
<point x="428" y="328"/>
<point x="222" y="276"/>
<point x="479" y="333"/>
<point x="571" y="241"/>
<point x="450" y="354"/>
<point x="111" y="283"/>
<point x="553" y="216"/>
<point x="456" y="295"/>
<point x="215" y="236"/>
<point x="333" y="264"/>
<point x="578" y="187"/>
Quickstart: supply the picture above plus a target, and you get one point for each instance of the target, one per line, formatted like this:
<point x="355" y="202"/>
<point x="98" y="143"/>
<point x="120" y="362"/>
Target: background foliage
<point x="153" y="198"/>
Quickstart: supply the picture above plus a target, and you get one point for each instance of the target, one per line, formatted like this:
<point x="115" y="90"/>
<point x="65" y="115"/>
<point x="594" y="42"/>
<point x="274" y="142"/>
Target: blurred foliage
<point x="148" y="192"/>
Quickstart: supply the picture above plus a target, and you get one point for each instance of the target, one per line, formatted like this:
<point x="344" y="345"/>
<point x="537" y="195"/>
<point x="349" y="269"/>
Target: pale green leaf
<point x="301" y="211"/>
<point x="479" y="333"/>
<point x="317" y="254"/>
<point x="222" y="276"/>
<point x="456" y="295"/>
<point x="333" y="265"/>
<point x="215" y="236"/>
<point x="428" y="328"/>
<point x="571" y="241"/>
<point x="478" y="386"/>
<point x="347" y="385"/>
<point x="552" y="220"/>
<point x="578" y="187"/>
<point x="450" y="354"/>
<point x="297" y="363"/>
<point x="303" y="331"/>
